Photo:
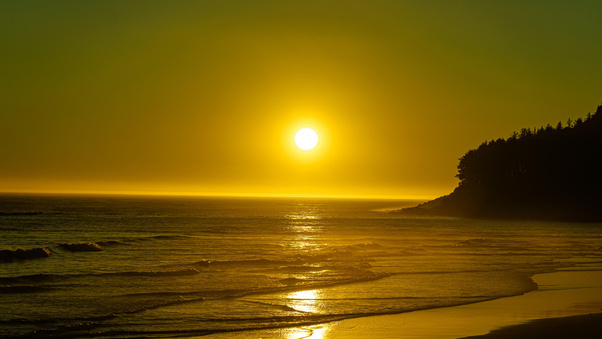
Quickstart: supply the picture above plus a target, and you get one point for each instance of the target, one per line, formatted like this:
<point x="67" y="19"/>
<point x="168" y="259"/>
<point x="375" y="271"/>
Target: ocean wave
<point x="94" y="326"/>
<point x="8" y="214"/>
<point x="316" y="268"/>
<point x="92" y="329"/>
<point x="366" y="246"/>
<point x="100" y="317"/>
<point x="33" y="278"/>
<point x="290" y="281"/>
<point x="168" y="237"/>
<point x="39" y="278"/>
<point x="485" y="242"/>
<point x="23" y="289"/>
<point x="327" y="257"/>
<point x="81" y="247"/>
<point x="287" y="284"/>
<point x="175" y="300"/>
<point x="24" y="253"/>
<point x="474" y="242"/>
<point x="160" y="237"/>
<point x="88" y="330"/>
<point x="245" y="263"/>
<point x="110" y="243"/>
<point x="71" y="331"/>
<point x="173" y="273"/>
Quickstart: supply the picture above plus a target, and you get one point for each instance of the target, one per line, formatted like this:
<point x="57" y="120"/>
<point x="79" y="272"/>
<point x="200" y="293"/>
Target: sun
<point x="306" y="139"/>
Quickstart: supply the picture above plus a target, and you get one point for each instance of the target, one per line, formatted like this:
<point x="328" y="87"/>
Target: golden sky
<point x="206" y="96"/>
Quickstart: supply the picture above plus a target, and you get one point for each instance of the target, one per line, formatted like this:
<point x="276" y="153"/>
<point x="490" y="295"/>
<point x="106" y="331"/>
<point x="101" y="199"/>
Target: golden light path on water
<point x="303" y="232"/>
<point x="309" y="332"/>
<point x="304" y="301"/>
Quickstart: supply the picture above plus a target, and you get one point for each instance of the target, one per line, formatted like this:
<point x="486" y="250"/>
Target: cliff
<point x="547" y="173"/>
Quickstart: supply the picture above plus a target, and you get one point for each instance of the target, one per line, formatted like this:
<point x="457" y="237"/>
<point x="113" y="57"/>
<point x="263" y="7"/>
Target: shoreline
<point x="560" y="294"/>
<point x="560" y="297"/>
<point x="576" y="326"/>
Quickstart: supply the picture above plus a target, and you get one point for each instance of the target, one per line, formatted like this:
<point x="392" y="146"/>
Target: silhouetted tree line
<point x="540" y="173"/>
<point x="555" y="170"/>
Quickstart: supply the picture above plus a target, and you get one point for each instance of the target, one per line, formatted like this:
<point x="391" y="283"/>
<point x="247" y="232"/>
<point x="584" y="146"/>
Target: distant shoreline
<point x="451" y="206"/>
<point x="542" y="173"/>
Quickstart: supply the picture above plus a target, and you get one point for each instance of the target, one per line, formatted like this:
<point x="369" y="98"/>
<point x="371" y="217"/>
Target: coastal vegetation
<point x="549" y="173"/>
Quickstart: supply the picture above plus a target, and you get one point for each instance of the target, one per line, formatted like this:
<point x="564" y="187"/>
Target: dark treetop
<point x="549" y="173"/>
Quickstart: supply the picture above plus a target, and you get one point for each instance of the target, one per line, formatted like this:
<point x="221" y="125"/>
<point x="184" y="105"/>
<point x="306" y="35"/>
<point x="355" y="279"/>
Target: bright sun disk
<point x="306" y="139"/>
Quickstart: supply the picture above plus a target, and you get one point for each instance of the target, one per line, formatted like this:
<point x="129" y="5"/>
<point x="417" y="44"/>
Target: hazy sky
<point x="205" y="96"/>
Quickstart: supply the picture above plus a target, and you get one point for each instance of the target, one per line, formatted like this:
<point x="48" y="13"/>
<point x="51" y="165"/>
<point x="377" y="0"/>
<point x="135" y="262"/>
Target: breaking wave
<point x="40" y="278"/>
<point x="23" y="254"/>
<point x="111" y="243"/>
<point x="81" y="247"/>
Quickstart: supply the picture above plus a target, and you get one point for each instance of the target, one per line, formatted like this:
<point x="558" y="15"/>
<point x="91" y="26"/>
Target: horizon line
<point x="220" y="195"/>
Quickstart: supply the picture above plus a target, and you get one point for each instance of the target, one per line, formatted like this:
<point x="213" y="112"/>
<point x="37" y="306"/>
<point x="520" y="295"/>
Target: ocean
<point x="136" y="266"/>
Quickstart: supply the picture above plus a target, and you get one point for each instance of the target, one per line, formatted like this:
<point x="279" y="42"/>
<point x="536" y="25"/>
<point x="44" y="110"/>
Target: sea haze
<point x="102" y="266"/>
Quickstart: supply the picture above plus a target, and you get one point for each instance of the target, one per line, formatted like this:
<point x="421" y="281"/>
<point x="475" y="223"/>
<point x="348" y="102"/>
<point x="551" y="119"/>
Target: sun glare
<point x="306" y="139"/>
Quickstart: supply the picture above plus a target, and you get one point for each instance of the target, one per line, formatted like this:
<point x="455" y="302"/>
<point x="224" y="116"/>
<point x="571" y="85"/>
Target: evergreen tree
<point x="546" y="170"/>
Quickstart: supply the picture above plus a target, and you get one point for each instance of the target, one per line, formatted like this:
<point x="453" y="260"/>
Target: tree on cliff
<point x="545" y="173"/>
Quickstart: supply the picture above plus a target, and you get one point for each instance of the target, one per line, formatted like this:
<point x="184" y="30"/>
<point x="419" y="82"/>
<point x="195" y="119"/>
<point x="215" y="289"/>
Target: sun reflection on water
<point x="301" y="217"/>
<point x="304" y="225"/>
<point x="304" y="301"/>
<point x="310" y="332"/>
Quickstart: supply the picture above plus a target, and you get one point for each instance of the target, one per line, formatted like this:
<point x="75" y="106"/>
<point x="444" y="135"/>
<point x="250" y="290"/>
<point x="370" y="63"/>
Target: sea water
<point x="132" y="266"/>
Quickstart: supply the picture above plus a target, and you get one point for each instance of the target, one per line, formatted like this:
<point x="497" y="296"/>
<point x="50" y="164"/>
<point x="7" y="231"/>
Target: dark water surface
<point x="184" y="266"/>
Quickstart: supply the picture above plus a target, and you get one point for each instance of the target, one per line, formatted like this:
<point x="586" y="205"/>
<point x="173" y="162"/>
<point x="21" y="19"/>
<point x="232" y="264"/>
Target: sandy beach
<point x="578" y="326"/>
<point x="566" y="303"/>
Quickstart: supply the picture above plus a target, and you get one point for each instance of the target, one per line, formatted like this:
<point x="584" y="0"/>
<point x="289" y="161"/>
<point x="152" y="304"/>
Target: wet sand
<point x="578" y="326"/>
<point x="533" y="315"/>
<point x="560" y="294"/>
